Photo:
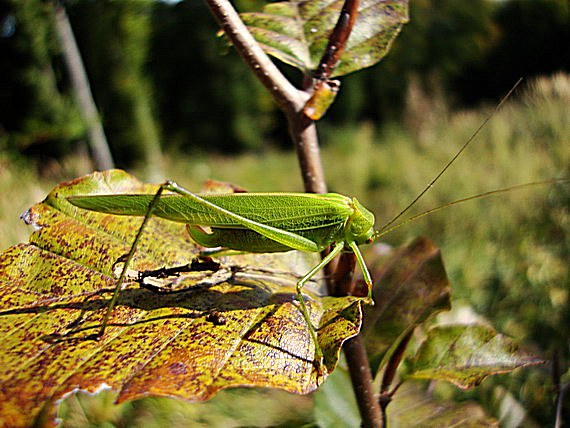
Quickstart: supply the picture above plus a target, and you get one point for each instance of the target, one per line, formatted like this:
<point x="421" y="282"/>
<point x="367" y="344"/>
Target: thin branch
<point x="355" y="352"/>
<point x="286" y="95"/>
<point x="337" y="40"/>
<point x="303" y="132"/>
<point x="560" y="390"/>
<point x="289" y="99"/>
<point x="359" y="368"/>
<point x="560" y="404"/>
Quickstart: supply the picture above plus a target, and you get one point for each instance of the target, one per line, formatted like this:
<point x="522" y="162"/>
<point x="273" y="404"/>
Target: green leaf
<point x="237" y="325"/>
<point x="335" y="403"/>
<point x="411" y="286"/>
<point x="466" y="354"/>
<point x="413" y="407"/>
<point x="296" y="32"/>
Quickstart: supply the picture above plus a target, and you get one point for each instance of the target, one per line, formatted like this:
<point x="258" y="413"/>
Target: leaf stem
<point x="337" y="40"/>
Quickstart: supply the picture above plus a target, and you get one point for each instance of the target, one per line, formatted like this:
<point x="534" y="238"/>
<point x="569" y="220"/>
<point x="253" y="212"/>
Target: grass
<point x="507" y="255"/>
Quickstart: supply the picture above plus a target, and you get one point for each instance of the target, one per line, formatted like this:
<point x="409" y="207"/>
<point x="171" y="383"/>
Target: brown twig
<point x="359" y="368"/>
<point x="337" y="40"/>
<point x="303" y="132"/>
<point x="355" y="351"/>
<point x="289" y="99"/>
<point x="386" y="394"/>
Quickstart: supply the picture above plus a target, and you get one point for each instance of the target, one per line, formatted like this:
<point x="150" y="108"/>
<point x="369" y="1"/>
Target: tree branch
<point x="303" y="132"/>
<point x="285" y="94"/>
<point x="289" y="99"/>
<point x="359" y="368"/>
<point x="355" y="351"/>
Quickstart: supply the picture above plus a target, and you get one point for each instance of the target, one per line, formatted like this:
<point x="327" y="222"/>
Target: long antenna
<point x="387" y="229"/>
<point x="474" y="135"/>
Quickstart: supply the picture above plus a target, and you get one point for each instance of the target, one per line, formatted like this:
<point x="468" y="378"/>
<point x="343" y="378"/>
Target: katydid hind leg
<point x="290" y="239"/>
<point x="130" y="255"/>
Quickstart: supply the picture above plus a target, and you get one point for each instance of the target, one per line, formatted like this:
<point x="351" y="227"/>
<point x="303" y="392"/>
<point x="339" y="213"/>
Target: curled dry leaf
<point x="411" y="286"/>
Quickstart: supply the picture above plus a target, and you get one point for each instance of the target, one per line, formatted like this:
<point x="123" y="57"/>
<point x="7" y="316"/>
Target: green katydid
<point x="252" y="222"/>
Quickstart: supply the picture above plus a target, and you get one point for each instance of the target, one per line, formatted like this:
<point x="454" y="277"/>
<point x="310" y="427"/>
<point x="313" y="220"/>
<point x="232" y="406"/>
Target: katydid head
<point x="360" y="224"/>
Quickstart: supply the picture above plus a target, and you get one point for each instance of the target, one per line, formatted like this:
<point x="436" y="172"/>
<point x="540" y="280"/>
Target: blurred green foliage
<point x="161" y="76"/>
<point x="229" y="408"/>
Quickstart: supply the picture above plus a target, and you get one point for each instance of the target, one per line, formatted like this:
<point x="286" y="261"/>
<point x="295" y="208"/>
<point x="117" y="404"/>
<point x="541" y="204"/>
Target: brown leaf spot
<point x="177" y="368"/>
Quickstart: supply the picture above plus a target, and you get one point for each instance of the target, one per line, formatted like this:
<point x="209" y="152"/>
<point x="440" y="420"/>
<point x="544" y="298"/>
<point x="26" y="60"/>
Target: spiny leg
<point x="303" y="306"/>
<point x="130" y="255"/>
<point x="285" y="237"/>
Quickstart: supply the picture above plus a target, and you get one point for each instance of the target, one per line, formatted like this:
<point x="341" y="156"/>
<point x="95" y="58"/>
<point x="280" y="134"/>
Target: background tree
<point x="100" y="151"/>
<point x="38" y="116"/>
<point x="114" y="39"/>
